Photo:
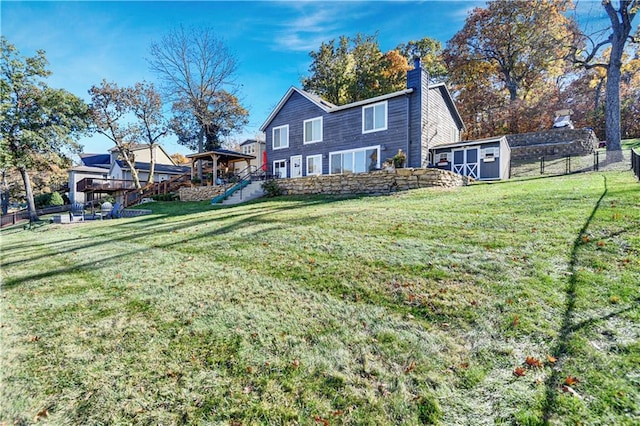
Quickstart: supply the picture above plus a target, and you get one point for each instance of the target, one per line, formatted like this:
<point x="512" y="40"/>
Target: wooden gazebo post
<point x="215" y="169"/>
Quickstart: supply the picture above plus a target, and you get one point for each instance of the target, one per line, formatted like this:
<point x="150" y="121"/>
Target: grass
<point x="630" y="143"/>
<point x="405" y="309"/>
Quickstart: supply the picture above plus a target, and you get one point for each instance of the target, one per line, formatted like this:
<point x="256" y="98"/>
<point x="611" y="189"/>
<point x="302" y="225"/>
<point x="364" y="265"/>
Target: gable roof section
<point x="160" y="168"/>
<point x="316" y="100"/>
<point x="326" y="106"/>
<point x="449" y="101"/>
<point x="96" y="160"/>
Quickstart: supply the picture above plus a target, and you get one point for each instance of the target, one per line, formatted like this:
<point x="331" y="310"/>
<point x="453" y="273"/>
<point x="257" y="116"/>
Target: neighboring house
<point x="306" y="135"/>
<point x="254" y="147"/>
<point x="107" y="167"/>
<point x="484" y="159"/>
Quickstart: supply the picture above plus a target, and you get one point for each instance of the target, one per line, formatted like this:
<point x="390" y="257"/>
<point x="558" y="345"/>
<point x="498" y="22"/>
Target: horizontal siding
<point x="342" y="130"/>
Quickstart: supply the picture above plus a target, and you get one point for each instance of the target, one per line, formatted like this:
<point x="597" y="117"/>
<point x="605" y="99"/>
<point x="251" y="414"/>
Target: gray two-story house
<point x="306" y="135"/>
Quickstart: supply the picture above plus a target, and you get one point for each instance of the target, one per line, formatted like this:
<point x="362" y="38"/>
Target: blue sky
<point x="88" y="41"/>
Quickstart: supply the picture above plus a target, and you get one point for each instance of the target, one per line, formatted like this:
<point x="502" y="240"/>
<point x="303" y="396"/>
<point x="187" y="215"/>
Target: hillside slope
<point x="513" y="302"/>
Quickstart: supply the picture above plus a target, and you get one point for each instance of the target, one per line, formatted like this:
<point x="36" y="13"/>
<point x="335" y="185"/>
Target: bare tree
<point x="620" y="34"/>
<point x="197" y="71"/>
<point x="111" y="110"/>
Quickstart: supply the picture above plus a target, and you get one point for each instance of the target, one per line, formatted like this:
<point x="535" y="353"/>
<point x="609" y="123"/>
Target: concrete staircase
<point x="249" y="192"/>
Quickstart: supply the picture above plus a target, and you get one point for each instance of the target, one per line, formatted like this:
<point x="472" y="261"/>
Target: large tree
<point x="430" y="53"/>
<point x="520" y="45"/>
<point x="197" y="71"/>
<point x="37" y="122"/>
<point x="129" y="116"/>
<point x="585" y="53"/>
<point x="352" y="69"/>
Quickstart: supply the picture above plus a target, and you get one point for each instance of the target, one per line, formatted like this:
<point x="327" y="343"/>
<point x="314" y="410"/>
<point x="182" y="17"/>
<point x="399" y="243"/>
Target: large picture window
<point x="374" y="117"/>
<point x="355" y="161"/>
<point x="313" y="130"/>
<point x="281" y="137"/>
<point x="314" y="165"/>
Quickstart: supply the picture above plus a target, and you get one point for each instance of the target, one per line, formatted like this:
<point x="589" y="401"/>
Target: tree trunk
<point x="152" y="164"/>
<point x="612" y="106"/>
<point x="5" y="193"/>
<point x="31" y="205"/>
<point x="200" y="150"/>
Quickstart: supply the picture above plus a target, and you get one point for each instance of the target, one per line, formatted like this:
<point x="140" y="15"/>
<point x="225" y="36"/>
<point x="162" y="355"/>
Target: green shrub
<point x="56" y="199"/>
<point x="272" y="188"/>
<point x="42" y="200"/>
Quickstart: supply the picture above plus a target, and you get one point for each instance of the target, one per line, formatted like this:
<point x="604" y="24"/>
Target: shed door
<point x="465" y="162"/>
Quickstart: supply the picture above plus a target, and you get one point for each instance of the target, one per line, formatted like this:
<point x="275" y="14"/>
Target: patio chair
<point x="76" y="214"/>
<point x="116" y="212"/>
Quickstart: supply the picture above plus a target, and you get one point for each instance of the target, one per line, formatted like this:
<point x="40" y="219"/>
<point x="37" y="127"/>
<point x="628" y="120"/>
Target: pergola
<point x="219" y="156"/>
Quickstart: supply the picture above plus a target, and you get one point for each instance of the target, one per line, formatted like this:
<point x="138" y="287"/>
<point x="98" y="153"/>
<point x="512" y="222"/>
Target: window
<point x="281" y="137"/>
<point x="314" y="165"/>
<point x="443" y="157"/>
<point x="356" y="161"/>
<point x="489" y="154"/>
<point x="313" y="130"/>
<point x="374" y="117"/>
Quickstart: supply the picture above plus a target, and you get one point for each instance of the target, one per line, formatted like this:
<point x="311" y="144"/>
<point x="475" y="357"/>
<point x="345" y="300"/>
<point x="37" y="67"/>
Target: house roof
<point x="329" y="107"/>
<point x="251" y="141"/>
<point x="159" y="168"/>
<point x="96" y="160"/>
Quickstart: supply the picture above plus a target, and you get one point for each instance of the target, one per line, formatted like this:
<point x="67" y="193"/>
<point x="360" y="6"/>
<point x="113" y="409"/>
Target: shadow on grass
<point x="561" y="350"/>
<point x="127" y="231"/>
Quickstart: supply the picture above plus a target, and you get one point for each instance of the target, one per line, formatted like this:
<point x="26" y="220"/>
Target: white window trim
<point x="273" y="138"/>
<point x="386" y="117"/>
<point x="353" y="151"/>
<point x="304" y="130"/>
<point x="310" y="157"/>
<point x="448" y="157"/>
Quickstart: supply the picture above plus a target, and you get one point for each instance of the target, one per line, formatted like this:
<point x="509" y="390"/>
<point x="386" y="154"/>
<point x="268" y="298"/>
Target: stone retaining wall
<point x="378" y="182"/>
<point x="200" y="193"/>
<point x="552" y="142"/>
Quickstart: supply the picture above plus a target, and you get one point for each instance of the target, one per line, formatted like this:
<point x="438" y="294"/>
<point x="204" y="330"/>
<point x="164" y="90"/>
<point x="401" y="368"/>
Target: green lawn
<point x="418" y="307"/>
<point x="631" y="143"/>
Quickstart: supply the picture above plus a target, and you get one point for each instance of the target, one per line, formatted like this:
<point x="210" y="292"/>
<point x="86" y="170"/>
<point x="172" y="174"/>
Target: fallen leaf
<point x="319" y="419"/>
<point x="247" y="389"/>
<point x="515" y="321"/>
<point x="600" y="243"/>
<point x="338" y="413"/>
<point x="585" y="239"/>
<point x="570" y="380"/>
<point x="34" y="338"/>
<point x="551" y="359"/>
<point x="410" y="368"/>
<point x="533" y="362"/>
<point x="520" y="372"/>
<point x="295" y="363"/>
<point x="43" y="414"/>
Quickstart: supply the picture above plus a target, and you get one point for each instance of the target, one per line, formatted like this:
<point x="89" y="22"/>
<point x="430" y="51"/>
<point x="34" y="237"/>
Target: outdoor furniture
<point x="76" y="213"/>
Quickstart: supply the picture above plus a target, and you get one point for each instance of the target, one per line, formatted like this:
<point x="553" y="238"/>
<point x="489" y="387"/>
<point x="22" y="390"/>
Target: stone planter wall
<point x="378" y="182"/>
<point x="200" y="193"/>
<point x="534" y="145"/>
